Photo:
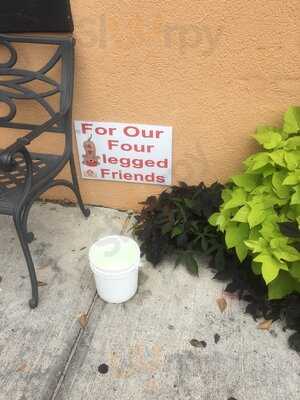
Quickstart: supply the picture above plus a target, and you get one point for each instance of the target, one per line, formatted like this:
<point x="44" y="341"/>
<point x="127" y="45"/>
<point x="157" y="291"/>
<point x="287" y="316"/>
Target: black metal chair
<point x="24" y="175"/>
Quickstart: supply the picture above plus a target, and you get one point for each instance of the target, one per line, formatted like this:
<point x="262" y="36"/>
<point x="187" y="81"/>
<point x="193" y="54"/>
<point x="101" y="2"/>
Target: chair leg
<point x="33" y="302"/>
<point x="85" y="211"/>
<point x="29" y="235"/>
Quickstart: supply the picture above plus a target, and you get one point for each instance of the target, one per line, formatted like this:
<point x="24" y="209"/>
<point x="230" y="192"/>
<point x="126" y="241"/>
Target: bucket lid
<point x="114" y="254"/>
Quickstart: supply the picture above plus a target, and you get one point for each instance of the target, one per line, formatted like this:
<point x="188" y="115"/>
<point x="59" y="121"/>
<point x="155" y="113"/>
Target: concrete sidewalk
<point x="46" y="355"/>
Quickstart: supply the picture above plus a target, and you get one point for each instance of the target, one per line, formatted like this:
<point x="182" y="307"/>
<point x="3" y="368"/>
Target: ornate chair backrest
<point x="17" y="84"/>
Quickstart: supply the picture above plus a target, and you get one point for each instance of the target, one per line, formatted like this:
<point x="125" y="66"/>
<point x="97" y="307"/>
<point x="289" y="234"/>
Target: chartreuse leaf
<point x="238" y="198"/>
<point x="293" y="212"/>
<point x="269" y="230"/>
<point x="254" y="234"/>
<point x="220" y="219"/>
<point x="284" y="255"/>
<point x="235" y="234"/>
<point x="278" y="157"/>
<point x="277" y="181"/>
<point x="246" y="181"/>
<point x="284" y="252"/>
<point x="266" y="171"/>
<point x="296" y="196"/>
<point x="292" y="143"/>
<point x="214" y="219"/>
<point x="269" y="138"/>
<point x="226" y="194"/>
<point x="273" y="218"/>
<point x="293" y="178"/>
<point x="242" y="214"/>
<point x="241" y="251"/>
<point x="257" y="161"/>
<point x="272" y="200"/>
<point x="256" y="216"/>
<point x="261" y="189"/>
<point x="295" y="270"/>
<point x="222" y="222"/>
<point x="292" y="120"/>
<point x="292" y="159"/>
<point x="270" y="267"/>
<point x="257" y="246"/>
<point x="282" y="286"/>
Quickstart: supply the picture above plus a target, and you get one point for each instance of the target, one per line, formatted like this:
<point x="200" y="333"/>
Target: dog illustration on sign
<point x="90" y="158"/>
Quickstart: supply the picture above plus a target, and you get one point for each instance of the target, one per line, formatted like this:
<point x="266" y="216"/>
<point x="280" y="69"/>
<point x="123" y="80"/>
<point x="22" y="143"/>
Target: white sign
<point x="125" y="152"/>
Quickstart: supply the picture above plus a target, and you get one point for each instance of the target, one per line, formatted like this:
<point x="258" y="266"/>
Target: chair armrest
<point x="7" y="156"/>
<point x="8" y="162"/>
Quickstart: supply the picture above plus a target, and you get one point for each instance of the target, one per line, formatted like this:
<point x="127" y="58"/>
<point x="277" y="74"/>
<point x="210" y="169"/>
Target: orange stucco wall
<point x="211" y="69"/>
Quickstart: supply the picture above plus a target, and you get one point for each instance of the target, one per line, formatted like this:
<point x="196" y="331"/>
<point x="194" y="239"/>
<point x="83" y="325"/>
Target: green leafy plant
<point x="256" y="202"/>
<point x="176" y="222"/>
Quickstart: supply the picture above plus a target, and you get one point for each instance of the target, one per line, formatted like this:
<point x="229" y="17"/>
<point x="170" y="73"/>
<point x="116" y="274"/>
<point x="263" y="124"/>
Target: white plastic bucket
<point x="115" y="262"/>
